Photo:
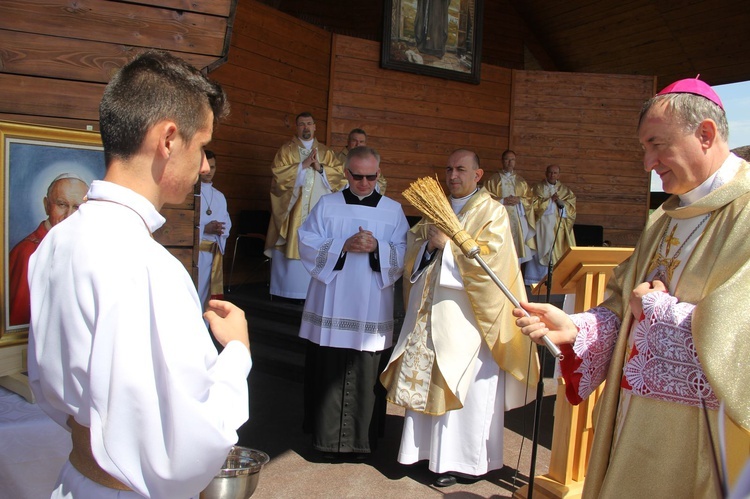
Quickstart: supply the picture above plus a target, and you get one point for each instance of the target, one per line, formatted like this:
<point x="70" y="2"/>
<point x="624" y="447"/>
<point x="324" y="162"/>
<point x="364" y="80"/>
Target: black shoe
<point x="467" y="479"/>
<point x="362" y="456"/>
<point x="329" y="456"/>
<point x="445" y="481"/>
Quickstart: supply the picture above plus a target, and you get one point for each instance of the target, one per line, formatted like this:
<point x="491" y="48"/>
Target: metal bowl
<point x="239" y="475"/>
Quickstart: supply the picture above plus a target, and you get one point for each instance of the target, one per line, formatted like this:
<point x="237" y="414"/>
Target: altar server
<point x="118" y="351"/>
<point x="214" y="231"/>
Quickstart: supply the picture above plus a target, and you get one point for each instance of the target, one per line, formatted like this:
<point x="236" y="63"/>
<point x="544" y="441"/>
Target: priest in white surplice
<point x="460" y="361"/>
<point x="353" y="245"/>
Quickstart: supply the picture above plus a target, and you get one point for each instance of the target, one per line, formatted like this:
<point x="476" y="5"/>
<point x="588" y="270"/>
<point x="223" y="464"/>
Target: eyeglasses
<point x="357" y="176"/>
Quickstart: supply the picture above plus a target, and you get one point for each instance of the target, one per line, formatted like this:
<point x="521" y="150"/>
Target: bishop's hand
<point x="545" y="320"/>
<point x="636" y="296"/>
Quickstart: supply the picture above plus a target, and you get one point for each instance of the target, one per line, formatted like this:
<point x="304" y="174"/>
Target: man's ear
<point x="161" y="140"/>
<point x="167" y="137"/>
<point x="478" y="174"/>
<point x="707" y="131"/>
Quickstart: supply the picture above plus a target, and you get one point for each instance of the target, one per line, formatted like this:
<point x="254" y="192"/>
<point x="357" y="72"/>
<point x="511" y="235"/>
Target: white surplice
<point x="118" y="342"/>
<point x="348" y="308"/>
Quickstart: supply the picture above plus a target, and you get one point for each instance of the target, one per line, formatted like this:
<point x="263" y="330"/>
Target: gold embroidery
<point x="413" y="380"/>
<point x="664" y="266"/>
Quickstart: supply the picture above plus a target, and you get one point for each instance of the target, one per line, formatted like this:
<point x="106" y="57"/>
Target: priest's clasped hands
<point x="361" y="242"/>
<point x="312" y="161"/>
<point x="511" y="200"/>
<point x="557" y="201"/>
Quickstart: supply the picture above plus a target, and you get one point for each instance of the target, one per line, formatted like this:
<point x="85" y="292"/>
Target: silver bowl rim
<point x="259" y="457"/>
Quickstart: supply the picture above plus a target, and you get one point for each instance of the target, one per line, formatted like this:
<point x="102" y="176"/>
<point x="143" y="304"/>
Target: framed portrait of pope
<point x="45" y="177"/>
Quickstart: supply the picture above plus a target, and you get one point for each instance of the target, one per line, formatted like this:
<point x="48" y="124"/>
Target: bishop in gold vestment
<point x="671" y="339"/>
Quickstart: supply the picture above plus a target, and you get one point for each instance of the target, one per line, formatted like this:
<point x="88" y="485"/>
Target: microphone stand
<point x="540" y="383"/>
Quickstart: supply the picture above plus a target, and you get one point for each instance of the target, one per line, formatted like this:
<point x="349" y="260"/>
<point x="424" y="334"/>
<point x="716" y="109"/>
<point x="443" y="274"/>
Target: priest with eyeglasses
<point x="353" y="244"/>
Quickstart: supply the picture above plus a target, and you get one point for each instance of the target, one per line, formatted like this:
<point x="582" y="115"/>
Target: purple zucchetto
<point x="693" y="86"/>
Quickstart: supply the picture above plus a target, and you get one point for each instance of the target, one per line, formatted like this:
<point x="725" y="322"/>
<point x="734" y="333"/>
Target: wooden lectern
<point x="583" y="271"/>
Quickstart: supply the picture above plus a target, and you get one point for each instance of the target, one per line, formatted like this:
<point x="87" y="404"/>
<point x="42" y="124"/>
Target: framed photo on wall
<point x="45" y="176"/>
<point x="441" y="38"/>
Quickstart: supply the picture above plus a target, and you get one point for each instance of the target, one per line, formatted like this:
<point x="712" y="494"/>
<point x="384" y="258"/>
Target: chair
<point x="252" y="227"/>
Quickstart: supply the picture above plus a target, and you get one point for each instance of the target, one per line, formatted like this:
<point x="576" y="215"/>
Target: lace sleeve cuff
<point x="586" y="362"/>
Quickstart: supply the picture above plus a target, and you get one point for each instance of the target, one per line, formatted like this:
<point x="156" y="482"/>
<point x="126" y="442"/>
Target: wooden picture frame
<point x="33" y="159"/>
<point x="441" y="38"/>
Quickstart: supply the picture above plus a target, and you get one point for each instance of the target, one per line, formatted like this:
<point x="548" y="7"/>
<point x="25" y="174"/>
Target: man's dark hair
<point x="356" y="130"/>
<point x="506" y="152"/>
<point x="303" y="115"/>
<point x="209" y="154"/>
<point x="155" y="86"/>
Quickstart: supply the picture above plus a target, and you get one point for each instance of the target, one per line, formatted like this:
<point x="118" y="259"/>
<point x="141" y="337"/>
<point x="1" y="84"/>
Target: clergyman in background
<point x="554" y="207"/>
<point x="214" y="231"/>
<point x="513" y="192"/>
<point x="357" y="138"/>
<point x="303" y="171"/>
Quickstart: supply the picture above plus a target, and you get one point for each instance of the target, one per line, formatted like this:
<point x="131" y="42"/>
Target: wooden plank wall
<point x="56" y="58"/>
<point x="278" y="67"/>
<point x="505" y="33"/>
<point x="63" y="53"/>
<point x="414" y="121"/>
<point x="586" y="124"/>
